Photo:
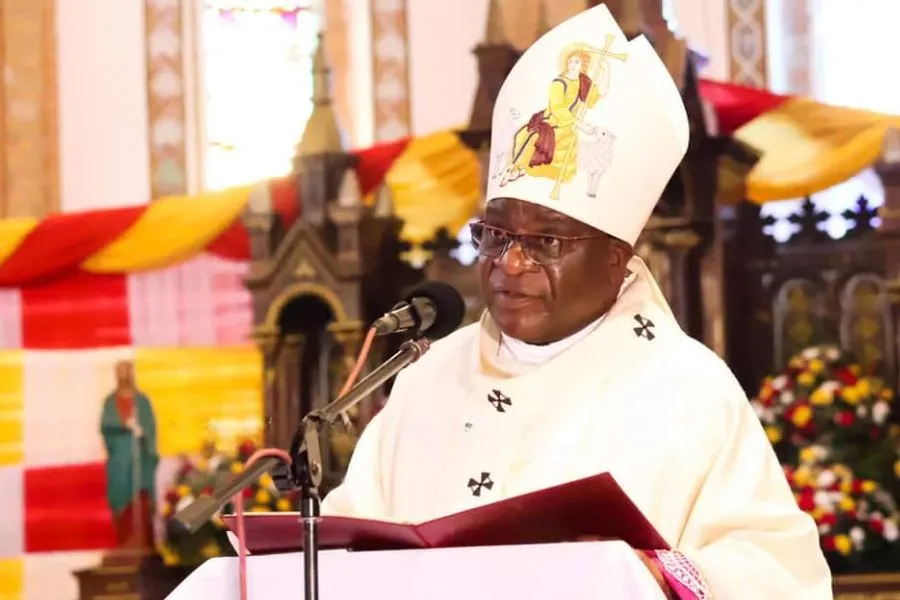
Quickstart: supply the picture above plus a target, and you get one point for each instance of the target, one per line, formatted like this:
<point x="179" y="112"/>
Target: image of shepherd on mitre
<point x="556" y="141"/>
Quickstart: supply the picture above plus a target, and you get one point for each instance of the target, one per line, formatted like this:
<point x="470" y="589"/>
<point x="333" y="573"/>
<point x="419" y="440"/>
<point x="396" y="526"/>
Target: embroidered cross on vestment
<point x="484" y="482"/>
<point x="499" y="400"/>
<point x="645" y="327"/>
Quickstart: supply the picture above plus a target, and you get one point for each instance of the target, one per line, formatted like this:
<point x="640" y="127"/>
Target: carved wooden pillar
<point x="267" y="341"/>
<point x="888" y="169"/>
<point x="289" y="393"/>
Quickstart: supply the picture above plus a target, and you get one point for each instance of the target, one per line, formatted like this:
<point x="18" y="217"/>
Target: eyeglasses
<point x="539" y="248"/>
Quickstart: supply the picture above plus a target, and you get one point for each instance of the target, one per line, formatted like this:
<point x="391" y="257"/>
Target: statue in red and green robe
<point x="128" y="427"/>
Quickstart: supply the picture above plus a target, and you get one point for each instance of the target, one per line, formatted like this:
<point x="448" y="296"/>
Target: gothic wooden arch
<point x="296" y="290"/>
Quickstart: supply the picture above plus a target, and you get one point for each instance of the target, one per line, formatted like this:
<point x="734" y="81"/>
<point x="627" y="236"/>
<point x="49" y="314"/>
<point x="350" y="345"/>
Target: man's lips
<point x="512" y="299"/>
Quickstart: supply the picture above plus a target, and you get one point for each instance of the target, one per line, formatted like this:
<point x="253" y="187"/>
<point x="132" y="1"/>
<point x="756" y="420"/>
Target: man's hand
<point x="648" y="562"/>
<point x="133" y="426"/>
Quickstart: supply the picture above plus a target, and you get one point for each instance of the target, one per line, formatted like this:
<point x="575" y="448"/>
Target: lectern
<point x="577" y="570"/>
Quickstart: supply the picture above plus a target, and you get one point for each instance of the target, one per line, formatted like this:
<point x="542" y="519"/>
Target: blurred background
<point x="204" y="203"/>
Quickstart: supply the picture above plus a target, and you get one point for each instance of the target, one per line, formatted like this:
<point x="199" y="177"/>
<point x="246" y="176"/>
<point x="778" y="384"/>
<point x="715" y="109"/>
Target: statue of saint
<point x="128" y="427"/>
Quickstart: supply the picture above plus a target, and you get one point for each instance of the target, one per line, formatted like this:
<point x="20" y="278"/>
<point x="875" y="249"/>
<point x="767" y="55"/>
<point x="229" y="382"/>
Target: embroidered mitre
<point x="590" y="125"/>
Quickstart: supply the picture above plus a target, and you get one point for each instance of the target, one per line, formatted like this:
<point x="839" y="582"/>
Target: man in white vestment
<point x="577" y="366"/>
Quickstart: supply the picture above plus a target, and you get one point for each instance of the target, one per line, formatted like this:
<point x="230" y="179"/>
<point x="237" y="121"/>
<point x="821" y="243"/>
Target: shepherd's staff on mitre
<point x="546" y="146"/>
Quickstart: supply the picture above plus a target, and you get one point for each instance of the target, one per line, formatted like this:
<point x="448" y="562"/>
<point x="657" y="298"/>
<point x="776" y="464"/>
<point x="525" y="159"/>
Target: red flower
<point x="828" y="519"/>
<point x="246" y="448"/>
<point x="845" y="376"/>
<point x="807" y="502"/>
<point x="247" y="493"/>
<point x="828" y="542"/>
<point x="877" y="525"/>
<point x="208" y="490"/>
<point x="845" y="418"/>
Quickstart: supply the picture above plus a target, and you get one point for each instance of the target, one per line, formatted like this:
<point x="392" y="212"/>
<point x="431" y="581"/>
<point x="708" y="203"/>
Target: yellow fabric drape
<point x="808" y="147"/>
<point x="12" y="232"/>
<point x="12" y="576"/>
<point x="170" y="231"/>
<point x="193" y="389"/>
<point x="435" y="183"/>
<point x="11" y="408"/>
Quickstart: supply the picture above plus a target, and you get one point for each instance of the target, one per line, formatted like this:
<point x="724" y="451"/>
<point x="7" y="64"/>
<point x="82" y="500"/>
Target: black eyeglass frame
<point x="477" y="229"/>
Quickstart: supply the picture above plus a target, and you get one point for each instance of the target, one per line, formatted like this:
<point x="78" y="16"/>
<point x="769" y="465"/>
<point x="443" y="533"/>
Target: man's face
<point x="544" y="303"/>
<point x="124" y="373"/>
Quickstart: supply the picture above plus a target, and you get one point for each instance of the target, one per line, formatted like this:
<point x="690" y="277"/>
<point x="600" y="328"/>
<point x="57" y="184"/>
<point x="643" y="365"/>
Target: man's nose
<point x="513" y="260"/>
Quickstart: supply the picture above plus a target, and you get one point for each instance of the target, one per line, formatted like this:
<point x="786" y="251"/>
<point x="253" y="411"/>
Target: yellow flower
<point x="263" y="497"/>
<point x="169" y="556"/>
<point x="183" y="490"/>
<point x="847" y="486"/>
<point x="283" y="505"/>
<point x="850" y="395"/>
<point x="863" y="387"/>
<point x="259" y="509"/>
<point x="210" y="550"/>
<point x="822" y="396"/>
<point x="236" y="467"/>
<point x="887" y="394"/>
<point x="202" y="464"/>
<point x="807" y="455"/>
<point x="801" y="416"/>
<point x="868" y="486"/>
<point x="816" y="366"/>
<point x="803" y="476"/>
<point x="843" y="544"/>
<point x="816" y="513"/>
<point x="842" y="471"/>
<point x="265" y="480"/>
<point x="773" y="433"/>
<point x="806" y="378"/>
<point x="897" y="468"/>
<point x="166" y="510"/>
<point x="855" y="369"/>
<point x="847" y="504"/>
<point x="796" y="363"/>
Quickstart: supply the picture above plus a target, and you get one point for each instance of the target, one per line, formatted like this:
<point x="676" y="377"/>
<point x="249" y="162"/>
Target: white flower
<point x="779" y="382"/>
<point x="824" y="528"/>
<point x="787" y="397"/>
<point x="826" y="479"/>
<point x="766" y="415"/>
<point x="184" y="502"/>
<point x="861" y="411"/>
<point x="823" y="500"/>
<point x="832" y="353"/>
<point x="858" y="536"/>
<point x="880" y="412"/>
<point x="890" y="530"/>
<point x="830" y="386"/>
<point x="811" y="353"/>
<point x="215" y="461"/>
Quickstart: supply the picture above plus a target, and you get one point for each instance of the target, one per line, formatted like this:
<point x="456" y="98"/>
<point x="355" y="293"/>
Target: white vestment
<point x="636" y="397"/>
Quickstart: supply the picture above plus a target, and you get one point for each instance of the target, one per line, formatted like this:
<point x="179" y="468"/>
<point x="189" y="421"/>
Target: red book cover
<point x="594" y="506"/>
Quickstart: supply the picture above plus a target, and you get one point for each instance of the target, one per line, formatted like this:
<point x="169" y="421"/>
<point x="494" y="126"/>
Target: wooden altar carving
<point x="316" y="285"/>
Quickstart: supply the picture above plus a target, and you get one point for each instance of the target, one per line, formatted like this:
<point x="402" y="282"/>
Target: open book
<point x="594" y="506"/>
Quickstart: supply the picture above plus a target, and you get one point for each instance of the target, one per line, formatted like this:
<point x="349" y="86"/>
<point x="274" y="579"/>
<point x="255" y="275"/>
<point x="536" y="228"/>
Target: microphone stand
<point x="305" y="472"/>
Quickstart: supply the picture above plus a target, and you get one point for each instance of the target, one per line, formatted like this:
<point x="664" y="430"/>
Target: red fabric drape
<point x="375" y="162"/>
<point x="78" y="311"/>
<point x="737" y="105"/>
<point x="66" y="508"/>
<point x="61" y="242"/>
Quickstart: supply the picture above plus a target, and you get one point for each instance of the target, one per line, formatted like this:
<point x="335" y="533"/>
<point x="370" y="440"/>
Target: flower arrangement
<point x="857" y="519"/>
<point x="829" y="421"/>
<point x="201" y="476"/>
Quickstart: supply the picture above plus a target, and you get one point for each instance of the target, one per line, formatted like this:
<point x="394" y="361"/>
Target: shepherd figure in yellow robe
<point x="556" y="141"/>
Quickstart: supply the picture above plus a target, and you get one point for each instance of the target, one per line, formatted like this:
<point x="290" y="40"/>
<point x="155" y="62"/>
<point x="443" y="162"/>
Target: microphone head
<point x="449" y="307"/>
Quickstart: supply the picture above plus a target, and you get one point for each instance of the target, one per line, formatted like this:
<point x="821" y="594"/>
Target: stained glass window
<point x="256" y="86"/>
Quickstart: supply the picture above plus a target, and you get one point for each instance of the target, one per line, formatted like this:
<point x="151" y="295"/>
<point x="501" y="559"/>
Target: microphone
<point x="434" y="309"/>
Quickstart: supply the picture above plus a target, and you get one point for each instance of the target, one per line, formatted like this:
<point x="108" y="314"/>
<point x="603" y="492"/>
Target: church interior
<point x="205" y="203"/>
